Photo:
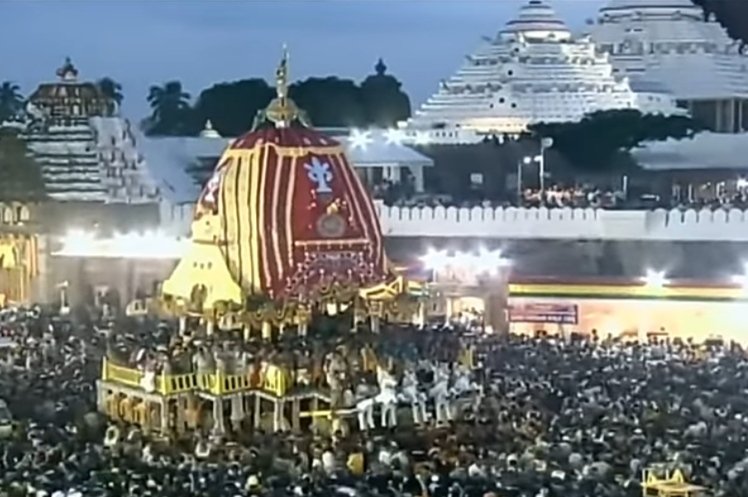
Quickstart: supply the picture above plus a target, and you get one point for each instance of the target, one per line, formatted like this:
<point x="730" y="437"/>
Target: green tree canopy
<point x="384" y="102"/>
<point x="330" y="101"/>
<point x="592" y="142"/>
<point x="11" y="100"/>
<point x="731" y="14"/>
<point x="20" y="175"/>
<point x="112" y="90"/>
<point x="171" y="112"/>
<point x="231" y="107"/>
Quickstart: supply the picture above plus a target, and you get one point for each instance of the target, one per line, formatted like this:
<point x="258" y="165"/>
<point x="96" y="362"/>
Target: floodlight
<point x="742" y="279"/>
<point x="435" y="260"/>
<point x="655" y="279"/>
<point x="394" y="136"/>
<point x="360" y="139"/>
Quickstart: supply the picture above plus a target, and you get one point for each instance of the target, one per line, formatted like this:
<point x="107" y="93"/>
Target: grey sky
<point x="142" y="42"/>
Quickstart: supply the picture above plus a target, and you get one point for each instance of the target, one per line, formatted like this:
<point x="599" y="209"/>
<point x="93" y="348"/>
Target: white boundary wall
<point x="522" y="223"/>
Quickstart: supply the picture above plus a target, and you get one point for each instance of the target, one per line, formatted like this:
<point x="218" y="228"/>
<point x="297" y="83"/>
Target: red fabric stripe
<point x="269" y="272"/>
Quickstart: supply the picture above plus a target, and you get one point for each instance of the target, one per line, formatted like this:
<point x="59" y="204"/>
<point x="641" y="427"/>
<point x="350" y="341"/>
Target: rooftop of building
<point x="704" y="151"/>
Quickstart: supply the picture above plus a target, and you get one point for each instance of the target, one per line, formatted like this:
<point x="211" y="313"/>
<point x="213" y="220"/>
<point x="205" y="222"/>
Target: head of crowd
<point x="542" y="415"/>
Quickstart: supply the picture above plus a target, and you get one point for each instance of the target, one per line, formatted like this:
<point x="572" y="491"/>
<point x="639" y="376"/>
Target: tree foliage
<point x="329" y="102"/>
<point x="170" y="110"/>
<point x="113" y="91"/>
<point x="731" y="14"/>
<point x="592" y="142"/>
<point x="231" y="107"/>
<point x="384" y="101"/>
<point x="11" y="100"/>
<point x="20" y="175"/>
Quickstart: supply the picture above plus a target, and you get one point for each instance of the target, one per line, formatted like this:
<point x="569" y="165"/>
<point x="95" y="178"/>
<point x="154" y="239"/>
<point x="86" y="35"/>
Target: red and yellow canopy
<point x="294" y="218"/>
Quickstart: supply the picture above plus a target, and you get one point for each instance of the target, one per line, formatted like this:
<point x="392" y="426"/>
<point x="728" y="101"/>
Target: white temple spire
<point x="533" y="71"/>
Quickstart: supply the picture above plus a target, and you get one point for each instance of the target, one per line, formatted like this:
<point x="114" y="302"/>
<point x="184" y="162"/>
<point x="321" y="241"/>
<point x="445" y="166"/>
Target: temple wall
<point x="125" y="277"/>
<point x="567" y="223"/>
<point x="60" y="217"/>
<point x="523" y="223"/>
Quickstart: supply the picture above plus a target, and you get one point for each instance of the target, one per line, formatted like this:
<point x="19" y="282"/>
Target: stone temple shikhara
<point x="534" y="70"/>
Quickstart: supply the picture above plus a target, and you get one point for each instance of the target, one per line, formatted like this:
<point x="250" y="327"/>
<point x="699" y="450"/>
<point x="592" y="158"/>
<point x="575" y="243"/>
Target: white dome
<point x="537" y="20"/>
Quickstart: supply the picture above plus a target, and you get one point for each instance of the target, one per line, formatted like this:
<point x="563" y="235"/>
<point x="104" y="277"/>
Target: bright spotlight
<point x="489" y="261"/>
<point x="394" y="136"/>
<point x="655" y="279"/>
<point x="360" y="139"/>
<point x="742" y="279"/>
<point x="435" y="260"/>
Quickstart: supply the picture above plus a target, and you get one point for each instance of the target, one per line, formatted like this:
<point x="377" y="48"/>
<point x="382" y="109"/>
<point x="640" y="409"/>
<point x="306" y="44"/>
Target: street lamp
<point x="526" y="161"/>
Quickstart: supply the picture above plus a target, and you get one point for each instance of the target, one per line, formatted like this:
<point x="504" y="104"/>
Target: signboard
<point x="544" y="313"/>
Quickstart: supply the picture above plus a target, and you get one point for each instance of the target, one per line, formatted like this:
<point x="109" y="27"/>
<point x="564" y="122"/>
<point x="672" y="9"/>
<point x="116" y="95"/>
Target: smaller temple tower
<point x="69" y="98"/>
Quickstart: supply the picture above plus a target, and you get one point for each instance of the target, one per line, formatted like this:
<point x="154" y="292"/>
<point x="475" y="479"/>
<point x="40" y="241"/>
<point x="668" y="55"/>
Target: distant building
<point x="668" y="42"/>
<point x="533" y="71"/>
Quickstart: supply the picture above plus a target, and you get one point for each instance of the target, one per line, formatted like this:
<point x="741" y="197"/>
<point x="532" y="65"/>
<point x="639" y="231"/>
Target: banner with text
<point x="544" y="313"/>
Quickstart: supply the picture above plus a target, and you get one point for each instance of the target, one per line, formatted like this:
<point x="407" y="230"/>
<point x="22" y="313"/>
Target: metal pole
<point x="519" y="181"/>
<point x="542" y="171"/>
<point x="545" y="143"/>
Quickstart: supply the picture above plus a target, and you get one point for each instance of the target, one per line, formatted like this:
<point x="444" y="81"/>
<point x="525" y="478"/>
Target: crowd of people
<point x="578" y="417"/>
<point x="557" y="195"/>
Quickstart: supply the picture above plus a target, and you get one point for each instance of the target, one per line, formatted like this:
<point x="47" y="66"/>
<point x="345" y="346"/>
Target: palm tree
<point x="170" y="109"/>
<point x="11" y="100"/>
<point x="113" y="91"/>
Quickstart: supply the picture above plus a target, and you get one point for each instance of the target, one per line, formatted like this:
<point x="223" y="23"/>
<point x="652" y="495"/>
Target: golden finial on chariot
<point x="282" y="111"/>
<point x="281" y="75"/>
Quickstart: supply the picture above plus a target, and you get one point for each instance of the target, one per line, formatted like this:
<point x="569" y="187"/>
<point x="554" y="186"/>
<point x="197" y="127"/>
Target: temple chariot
<point x="284" y="233"/>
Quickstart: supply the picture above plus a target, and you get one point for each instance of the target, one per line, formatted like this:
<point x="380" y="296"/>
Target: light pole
<point x="526" y="161"/>
<point x="545" y="143"/>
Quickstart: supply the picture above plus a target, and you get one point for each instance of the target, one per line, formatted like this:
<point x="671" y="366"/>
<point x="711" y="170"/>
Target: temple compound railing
<point x="274" y="380"/>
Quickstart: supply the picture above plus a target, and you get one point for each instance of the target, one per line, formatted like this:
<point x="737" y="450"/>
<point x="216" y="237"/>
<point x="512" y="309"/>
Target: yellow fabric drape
<point x="203" y="265"/>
